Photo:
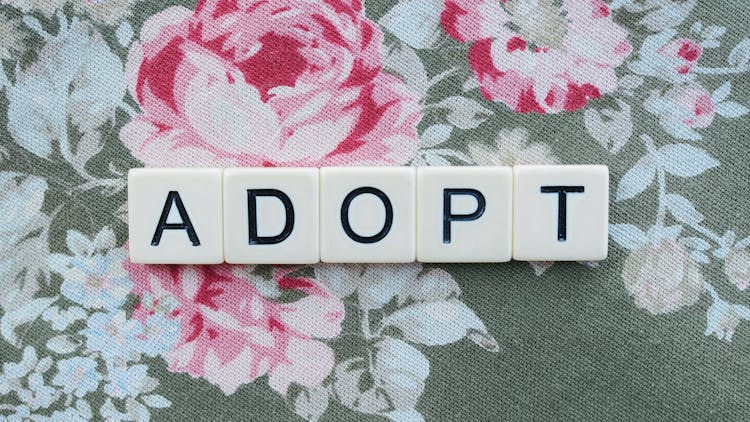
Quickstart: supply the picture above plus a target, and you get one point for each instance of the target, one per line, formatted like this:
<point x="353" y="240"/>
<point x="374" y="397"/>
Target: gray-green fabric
<point x="657" y="331"/>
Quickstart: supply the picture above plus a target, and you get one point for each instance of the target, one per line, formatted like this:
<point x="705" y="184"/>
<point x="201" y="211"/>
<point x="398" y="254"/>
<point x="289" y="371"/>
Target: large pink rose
<point x="540" y="56"/>
<point x="274" y="83"/>
<point x="232" y="334"/>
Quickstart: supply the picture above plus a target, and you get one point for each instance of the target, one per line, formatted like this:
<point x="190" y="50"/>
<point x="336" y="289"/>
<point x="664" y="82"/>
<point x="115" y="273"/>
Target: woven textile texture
<point x="658" y="90"/>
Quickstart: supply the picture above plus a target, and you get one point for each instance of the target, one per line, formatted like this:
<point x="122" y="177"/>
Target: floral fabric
<point x="655" y="89"/>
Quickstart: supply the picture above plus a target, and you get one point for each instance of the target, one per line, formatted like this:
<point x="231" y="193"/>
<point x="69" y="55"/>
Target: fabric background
<point x="655" y="89"/>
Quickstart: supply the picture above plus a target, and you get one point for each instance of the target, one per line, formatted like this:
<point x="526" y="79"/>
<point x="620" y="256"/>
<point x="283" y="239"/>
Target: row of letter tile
<point x="368" y="215"/>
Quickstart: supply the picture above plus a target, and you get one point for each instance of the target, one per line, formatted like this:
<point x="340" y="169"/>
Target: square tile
<point x="175" y="216"/>
<point x="271" y="216"/>
<point x="367" y="214"/>
<point x="464" y="214"/>
<point x="560" y="213"/>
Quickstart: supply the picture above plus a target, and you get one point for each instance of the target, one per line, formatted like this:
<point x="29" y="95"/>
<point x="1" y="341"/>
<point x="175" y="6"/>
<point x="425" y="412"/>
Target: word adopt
<point x="368" y="215"/>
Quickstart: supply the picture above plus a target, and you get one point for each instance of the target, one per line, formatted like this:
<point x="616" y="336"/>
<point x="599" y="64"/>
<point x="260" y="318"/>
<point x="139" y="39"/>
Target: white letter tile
<point x="367" y="214"/>
<point x="175" y="216"/>
<point x="560" y="213"/>
<point x="464" y="214"/>
<point x="271" y="216"/>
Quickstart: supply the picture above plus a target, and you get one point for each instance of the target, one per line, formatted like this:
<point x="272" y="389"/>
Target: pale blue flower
<point x="38" y="395"/>
<point x="68" y="415"/>
<point x="110" y="412"/>
<point x="99" y="281"/>
<point x="77" y="375"/>
<point x="21" y="369"/>
<point x="25" y="378"/>
<point x="22" y="414"/>
<point x="62" y="319"/>
<point x="113" y="335"/>
<point x="126" y="382"/>
<point x="94" y="276"/>
<point x="10" y="378"/>
<point x="80" y="413"/>
<point x="6" y="385"/>
<point x="161" y="334"/>
<point x="722" y="318"/>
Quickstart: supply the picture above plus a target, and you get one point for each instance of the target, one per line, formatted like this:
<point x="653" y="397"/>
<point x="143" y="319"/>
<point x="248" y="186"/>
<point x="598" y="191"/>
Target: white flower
<point x="512" y="147"/>
<point x="165" y="304"/>
<point x="662" y="277"/>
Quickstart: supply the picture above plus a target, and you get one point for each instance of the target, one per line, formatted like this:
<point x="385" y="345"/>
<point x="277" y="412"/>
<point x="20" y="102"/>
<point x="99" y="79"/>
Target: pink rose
<point x="232" y="334"/>
<point x="693" y="104"/>
<point x="664" y="57"/>
<point x="682" y="54"/>
<point x="273" y="83"/>
<point x="683" y="109"/>
<point x="540" y="56"/>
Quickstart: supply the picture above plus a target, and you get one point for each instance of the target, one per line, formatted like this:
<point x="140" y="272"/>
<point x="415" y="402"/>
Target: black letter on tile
<point x="174" y="198"/>
<point x="562" y="205"/>
<point x="388" y="215"/>
<point x="448" y="217"/>
<point x="252" y="209"/>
